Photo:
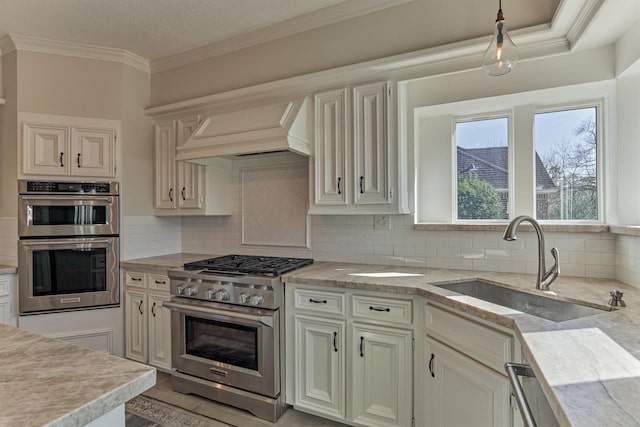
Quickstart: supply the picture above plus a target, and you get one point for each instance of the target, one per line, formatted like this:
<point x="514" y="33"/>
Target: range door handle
<point x="515" y="370"/>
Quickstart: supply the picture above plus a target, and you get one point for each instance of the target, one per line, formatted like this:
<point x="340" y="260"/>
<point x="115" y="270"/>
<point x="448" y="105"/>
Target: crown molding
<point x="582" y="20"/>
<point x="14" y="42"/>
<point x="328" y="15"/>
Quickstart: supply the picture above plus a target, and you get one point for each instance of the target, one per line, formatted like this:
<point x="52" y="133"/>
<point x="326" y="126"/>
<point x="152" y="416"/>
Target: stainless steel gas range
<point x="226" y="317"/>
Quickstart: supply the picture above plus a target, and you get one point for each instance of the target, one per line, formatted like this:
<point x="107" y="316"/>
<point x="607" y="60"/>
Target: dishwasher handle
<point x="514" y="370"/>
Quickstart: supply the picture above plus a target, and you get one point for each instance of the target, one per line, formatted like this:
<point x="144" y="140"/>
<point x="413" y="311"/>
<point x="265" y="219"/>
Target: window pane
<point x="566" y="164"/>
<point x="483" y="169"/>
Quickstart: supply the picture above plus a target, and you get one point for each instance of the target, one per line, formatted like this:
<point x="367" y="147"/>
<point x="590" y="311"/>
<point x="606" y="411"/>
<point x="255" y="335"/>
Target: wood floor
<point x="236" y="417"/>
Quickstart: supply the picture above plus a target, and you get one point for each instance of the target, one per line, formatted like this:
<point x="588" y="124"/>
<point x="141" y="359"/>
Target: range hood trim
<point x="285" y="126"/>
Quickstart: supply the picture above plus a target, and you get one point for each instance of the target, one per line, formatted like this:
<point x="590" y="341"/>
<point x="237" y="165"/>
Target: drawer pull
<point x="317" y="301"/>
<point x="335" y="338"/>
<point x="140" y="307"/>
<point x="378" y="308"/>
<point x="153" y="309"/>
<point x="433" y="374"/>
<point x="137" y="279"/>
<point x="160" y="282"/>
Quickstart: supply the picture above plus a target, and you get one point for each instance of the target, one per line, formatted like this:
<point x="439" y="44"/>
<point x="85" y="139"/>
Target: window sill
<point x="549" y="228"/>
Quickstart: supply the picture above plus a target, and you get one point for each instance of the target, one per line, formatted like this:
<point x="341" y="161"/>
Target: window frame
<point x="499" y="114"/>
<point x="600" y="131"/>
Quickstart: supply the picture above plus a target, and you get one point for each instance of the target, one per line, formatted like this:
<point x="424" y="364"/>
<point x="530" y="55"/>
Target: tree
<point x="477" y="199"/>
<point x="572" y="167"/>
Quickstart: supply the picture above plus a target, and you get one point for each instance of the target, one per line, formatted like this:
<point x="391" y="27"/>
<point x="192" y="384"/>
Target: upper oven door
<point x="67" y="215"/>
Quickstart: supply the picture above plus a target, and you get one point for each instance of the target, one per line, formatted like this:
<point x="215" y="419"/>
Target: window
<point x="566" y="144"/>
<point x="482" y="171"/>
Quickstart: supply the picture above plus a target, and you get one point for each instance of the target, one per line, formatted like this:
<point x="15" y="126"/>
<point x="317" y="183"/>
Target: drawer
<point x="5" y="286"/>
<point x="159" y="282"/>
<point x="319" y="301"/>
<point x="384" y="309"/>
<point x="481" y="343"/>
<point x="135" y="278"/>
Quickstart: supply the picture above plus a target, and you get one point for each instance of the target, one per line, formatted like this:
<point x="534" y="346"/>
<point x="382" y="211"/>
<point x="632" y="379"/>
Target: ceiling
<point x="157" y="29"/>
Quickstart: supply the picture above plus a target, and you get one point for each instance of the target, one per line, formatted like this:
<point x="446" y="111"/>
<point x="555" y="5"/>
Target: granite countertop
<point x="588" y="368"/>
<point x="8" y="269"/>
<point x="163" y="262"/>
<point x="47" y="382"/>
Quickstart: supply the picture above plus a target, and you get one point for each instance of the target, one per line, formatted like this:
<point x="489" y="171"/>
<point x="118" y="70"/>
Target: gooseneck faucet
<point x="545" y="277"/>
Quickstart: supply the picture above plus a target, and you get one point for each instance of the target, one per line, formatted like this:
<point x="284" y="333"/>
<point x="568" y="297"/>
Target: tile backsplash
<point x="147" y="236"/>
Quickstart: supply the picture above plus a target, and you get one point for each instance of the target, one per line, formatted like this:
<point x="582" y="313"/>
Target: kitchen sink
<point x="536" y="305"/>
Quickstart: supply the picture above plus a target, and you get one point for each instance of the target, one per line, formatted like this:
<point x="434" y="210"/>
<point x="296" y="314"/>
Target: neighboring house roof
<point x="490" y="164"/>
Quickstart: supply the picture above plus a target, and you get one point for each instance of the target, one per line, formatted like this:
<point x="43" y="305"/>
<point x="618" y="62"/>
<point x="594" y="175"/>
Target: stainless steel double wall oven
<point x="68" y="249"/>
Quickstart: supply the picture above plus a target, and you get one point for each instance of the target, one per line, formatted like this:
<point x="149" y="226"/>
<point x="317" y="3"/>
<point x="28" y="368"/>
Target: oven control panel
<point x="228" y="291"/>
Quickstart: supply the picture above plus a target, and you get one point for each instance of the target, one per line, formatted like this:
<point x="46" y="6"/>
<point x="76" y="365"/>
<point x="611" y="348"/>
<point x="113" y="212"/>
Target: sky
<point x="549" y="129"/>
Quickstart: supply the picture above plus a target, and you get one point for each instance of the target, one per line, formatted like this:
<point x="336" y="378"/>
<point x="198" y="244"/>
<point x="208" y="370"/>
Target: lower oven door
<point x="67" y="274"/>
<point x="236" y="346"/>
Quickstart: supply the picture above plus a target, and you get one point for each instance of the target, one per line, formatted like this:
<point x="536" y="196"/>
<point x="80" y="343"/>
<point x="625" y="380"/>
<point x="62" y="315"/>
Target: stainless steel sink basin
<point x="536" y="305"/>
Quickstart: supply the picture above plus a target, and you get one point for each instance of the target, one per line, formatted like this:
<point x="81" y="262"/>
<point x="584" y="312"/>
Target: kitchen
<point x="62" y="82"/>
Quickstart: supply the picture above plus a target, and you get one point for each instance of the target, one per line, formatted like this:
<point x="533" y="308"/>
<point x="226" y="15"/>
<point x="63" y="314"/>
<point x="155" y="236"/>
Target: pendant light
<point x="502" y="54"/>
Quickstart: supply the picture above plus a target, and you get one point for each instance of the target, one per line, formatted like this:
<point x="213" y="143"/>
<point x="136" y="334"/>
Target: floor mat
<point x="142" y="411"/>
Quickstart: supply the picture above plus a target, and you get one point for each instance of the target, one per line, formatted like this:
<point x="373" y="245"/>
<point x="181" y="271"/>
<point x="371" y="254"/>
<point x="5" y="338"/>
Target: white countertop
<point x="47" y="382"/>
<point x="588" y="368"/>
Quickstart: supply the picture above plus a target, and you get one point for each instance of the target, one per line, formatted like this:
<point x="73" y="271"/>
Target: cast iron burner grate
<point x="266" y="266"/>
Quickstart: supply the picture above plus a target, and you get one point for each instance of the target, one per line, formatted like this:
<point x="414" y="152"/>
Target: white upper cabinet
<point x="356" y="155"/>
<point x="68" y="146"/>
<point x="186" y="188"/>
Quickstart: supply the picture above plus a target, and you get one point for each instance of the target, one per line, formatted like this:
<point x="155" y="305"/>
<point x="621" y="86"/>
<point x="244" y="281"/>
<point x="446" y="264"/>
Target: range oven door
<point x="236" y="346"/>
<point x="63" y="274"/>
<point x="67" y="215"/>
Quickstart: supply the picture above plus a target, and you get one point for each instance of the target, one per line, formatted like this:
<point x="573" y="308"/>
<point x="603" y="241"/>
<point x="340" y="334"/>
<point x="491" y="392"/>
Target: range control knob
<point x="222" y="295"/>
<point x="256" y="300"/>
<point x="244" y="298"/>
<point x="192" y="291"/>
<point x="210" y="293"/>
<point x="180" y="290"/>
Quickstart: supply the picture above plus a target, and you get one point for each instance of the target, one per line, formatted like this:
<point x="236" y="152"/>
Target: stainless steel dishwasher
<point x="532" y="403"/>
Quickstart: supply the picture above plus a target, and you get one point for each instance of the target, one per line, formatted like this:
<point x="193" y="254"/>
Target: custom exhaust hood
<point x="276" y="126"/>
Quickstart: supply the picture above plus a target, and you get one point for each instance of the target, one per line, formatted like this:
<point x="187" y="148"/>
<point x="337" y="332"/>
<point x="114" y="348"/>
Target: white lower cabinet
<point x="464" y="379"/>
<point x="382" y="370"/>
<point x="320" y="365"/>
<point x="350" y="367"/>
<point x="147" y="322"/>
<point x="7" y="295"/>
<point x="463" y="392"/>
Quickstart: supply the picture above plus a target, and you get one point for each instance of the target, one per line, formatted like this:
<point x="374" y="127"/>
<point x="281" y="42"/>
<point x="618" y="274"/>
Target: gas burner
<point x="247" y="264"/>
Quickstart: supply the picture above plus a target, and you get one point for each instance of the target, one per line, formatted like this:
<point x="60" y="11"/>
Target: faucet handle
<point x="616" y="298"/>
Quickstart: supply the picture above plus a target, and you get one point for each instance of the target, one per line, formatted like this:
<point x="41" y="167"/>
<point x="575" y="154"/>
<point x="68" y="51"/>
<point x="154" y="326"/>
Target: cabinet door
<point x="462" y="392"/>
<point x="5" y="310"/>
<point x="320" y="363"/>
<point x="370" y="150"/>
<point x="382" y="376"/>
<point x="190" y="175"/>
<point x="93" y="152"/>
<point x="136" y="325"/>
<point x="159" y="332"/>
<point x="331" y="154"/>
<point x="165" y="166"/>
<point x="44" y="149"/>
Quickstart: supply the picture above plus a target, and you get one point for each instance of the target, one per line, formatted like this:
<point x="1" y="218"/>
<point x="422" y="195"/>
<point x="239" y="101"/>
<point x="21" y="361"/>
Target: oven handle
<point x="75" y="199"/>
<point x="265" y="320"/>
<point x="58" y="242"/>
<point x="514" y="370"/>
